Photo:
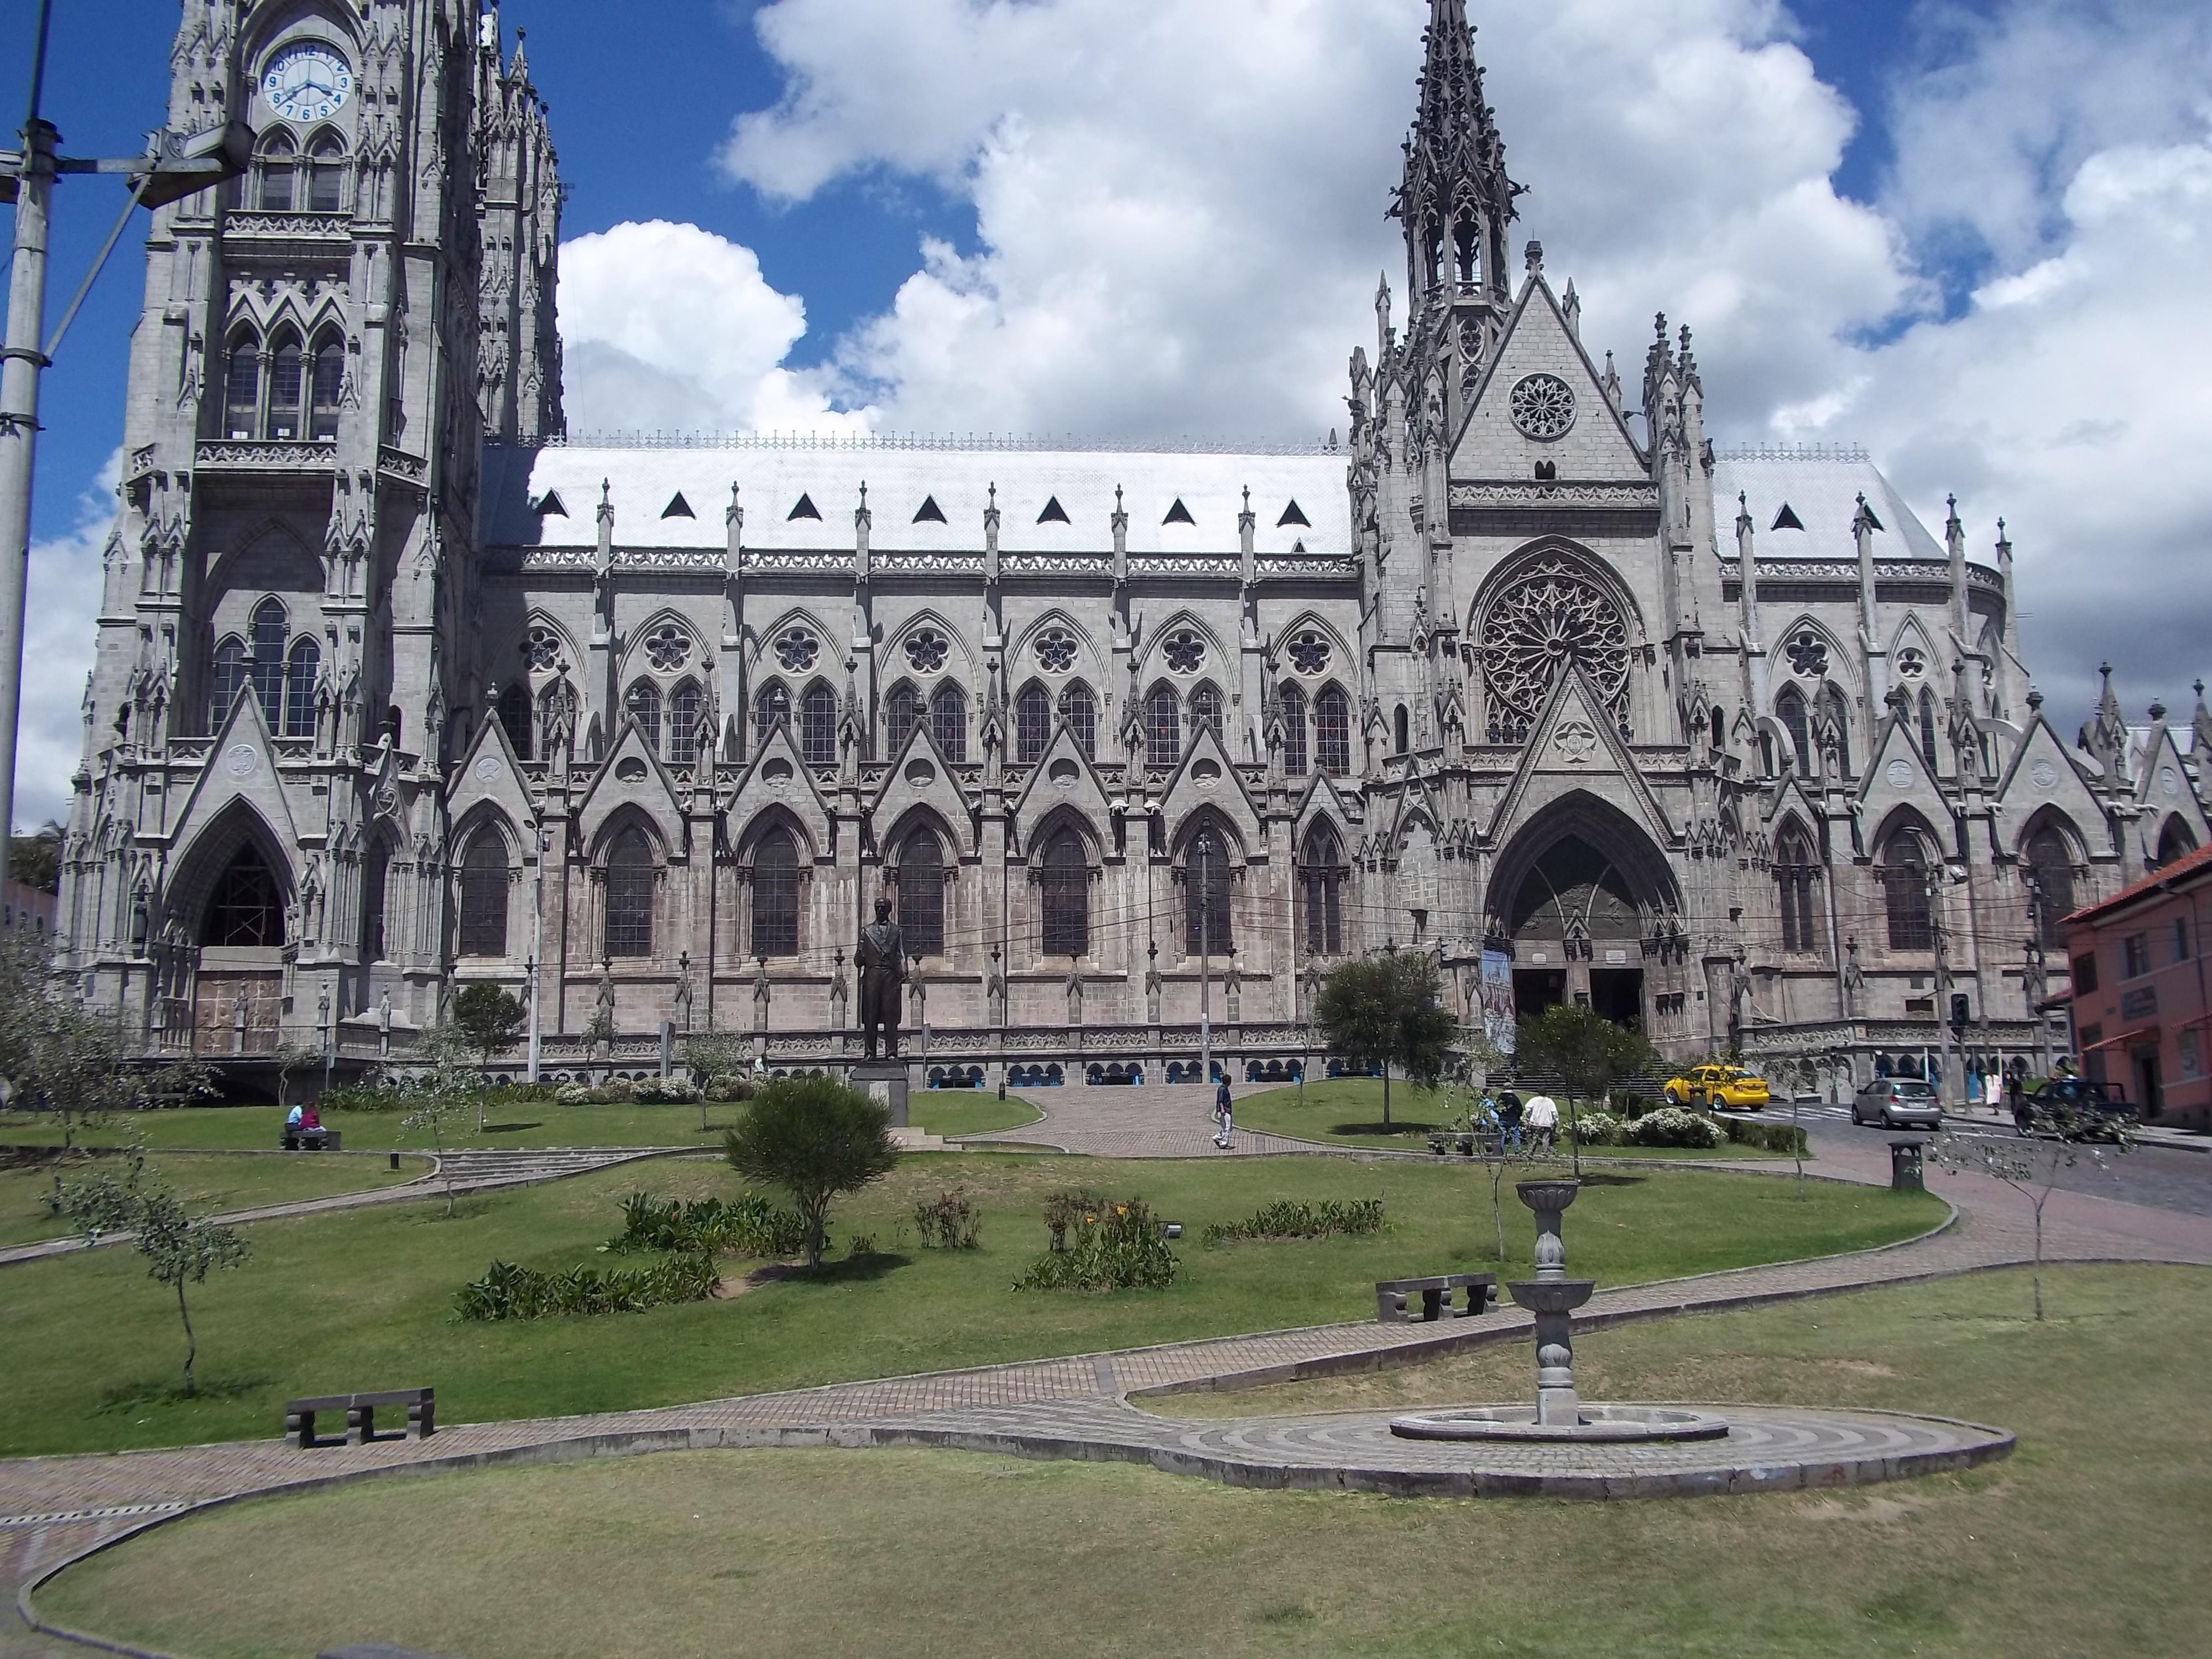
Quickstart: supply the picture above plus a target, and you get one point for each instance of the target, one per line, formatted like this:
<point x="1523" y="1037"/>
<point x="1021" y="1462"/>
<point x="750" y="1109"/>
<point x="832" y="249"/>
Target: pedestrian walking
<point x="1224" y="1116"/>
<point x="1509" y="1119"/>
<point x="1542" y="1116"/>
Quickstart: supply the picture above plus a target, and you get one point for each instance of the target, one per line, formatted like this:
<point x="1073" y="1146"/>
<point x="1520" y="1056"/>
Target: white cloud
<point x="60" y="635"/>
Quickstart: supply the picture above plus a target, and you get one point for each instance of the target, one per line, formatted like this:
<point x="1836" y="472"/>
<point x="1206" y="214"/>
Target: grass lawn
<point x="204" y="1182"/>
<point x="967" y="1111"/>
<point x="528" y="1124"/>
<point x="2075" y="1546"/>
<point x="360" y="1299"/>
<point x="1348" y="1112"/>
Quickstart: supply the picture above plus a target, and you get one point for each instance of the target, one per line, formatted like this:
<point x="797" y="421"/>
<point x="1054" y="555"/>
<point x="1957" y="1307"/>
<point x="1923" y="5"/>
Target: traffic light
<point x="1960" y="1011"/>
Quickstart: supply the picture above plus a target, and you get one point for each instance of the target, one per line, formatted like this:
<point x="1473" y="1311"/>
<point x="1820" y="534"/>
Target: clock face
<point x="308" y="81"/>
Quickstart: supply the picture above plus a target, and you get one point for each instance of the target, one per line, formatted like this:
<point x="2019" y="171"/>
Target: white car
<point x="1898" y="1102"/>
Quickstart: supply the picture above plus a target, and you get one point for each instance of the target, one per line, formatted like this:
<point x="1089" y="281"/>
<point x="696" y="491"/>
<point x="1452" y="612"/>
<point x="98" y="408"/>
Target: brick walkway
<point x="52" y="1507"/>
<point x="1152" y="1120"/>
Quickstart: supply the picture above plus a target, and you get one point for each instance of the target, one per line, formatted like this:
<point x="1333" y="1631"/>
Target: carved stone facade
<point x="403" y="688"/>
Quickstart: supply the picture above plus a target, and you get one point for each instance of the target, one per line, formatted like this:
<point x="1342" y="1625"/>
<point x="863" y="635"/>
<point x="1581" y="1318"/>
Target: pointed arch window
<point x="1067" y="884"/>
<point x="327" y="173"/>
<point x="2174" y="842"/>
<point x="375" y="873"/>
<point x="922" y="894"/>
<point x="948" y="720"/>
<point x="514" y="717"/>
<point x="1796" y="879"/>
<point x="1081" y="708"/>
<point x="1205" y="897"/>
<point x="1290" y="703"/>
<point x="1205" y="709"/>
<point x="1163" y="727"/>
<point x="230" y="680"/>
<point x="1032" y="724"/>
<point x="1333" y="731"/>
<point x="775" y="896"/>
<point x="771" y="709"/>
<point x="287" y="384"/>
<point x="1790" y="709"/>
<point x="643" y="704"/>
<point x="2051" y="862"/>
<point x="1927" y="726"/>
<point x="241" y="385"/>
<point x="277" y="171"/>
<point x="1904" y="891"/>
<point x="1401" y="729"/>
<point x="300" y="669"/>
<point x="1322" y="872"/>
<point x="818" y="725"/>
<point x="268" y="631"/>
<point x="246" y="910"/>
<point x="328" y="385"/>
<point x="629" y="895"/>
<point x="486" y="876"/>
<point x="684" y="705"/>
<point x="903" y="712"/>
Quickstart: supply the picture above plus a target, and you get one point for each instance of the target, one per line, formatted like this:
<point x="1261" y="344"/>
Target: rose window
<point x="795" y="648"/>
<point x="1055" y="651"/>
<point x="542" y="648"/>
<point x="1543" y="406"/>
<point x="667" y="648"/>
<point x="1551" y="617"/>
<point x="925" y="648"/>
<point x="1309" y="652"/>
<point x="1910" y="663"/>
<point x="1185" y="650"/>
<point x="1808" y="655"/>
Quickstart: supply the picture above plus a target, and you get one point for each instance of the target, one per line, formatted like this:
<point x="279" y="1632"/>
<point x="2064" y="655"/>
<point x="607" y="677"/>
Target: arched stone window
<point x="515" y="715"/>
<point x="301" y="668"/>
<point x="775" y="895"/>
<point x="288" y="387"/>
<point x="1066" y="881"/>
<point x="629" y="895"/>
<point x="948" y="720"/>
<point x="818" y="725"/>
<point x="1905" y="889"/>
<point x="1401" y="729"/>
<point x="2174" y="842"/>
<point x="375" y="873"/>
<point x="1081" y="708"/>
<point x="328" y="379"/>
<point x="277" y="173"/>
<point x="1206" y="896"/>
<point x="1291" y="702"/>
<point x="1032" y="724"/>
<point x="246" y="910"/>
<point x="922" y="893"/>
<point x="230" y="680"/>
<point x="241" y="385"/>
<point x="2051" y="863"/>
<point x="643" y="703"/>
<point x="1796" y="879"/>
<point x="901" y="713"/>
<point x="1333" y="731"/>
<point x="1163" y="727"/>
<point x="268" y="668"/>
<point x="1927" y="726"/>
<point x="1322" y="871"/>
<point x="1790" y="709"/>
<point x="486" y="876"/>
<point x="683" y="724"/>
<point x="1205" y="709"/>
<point x="771" y="709"/>
<point x="327" y="170"/>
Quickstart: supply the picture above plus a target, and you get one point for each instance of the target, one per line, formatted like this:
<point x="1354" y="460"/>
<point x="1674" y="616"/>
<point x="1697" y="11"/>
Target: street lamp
<point x="537" y="952"/>
<point x="330" y="1033"/>
<point x="175" y="164"/>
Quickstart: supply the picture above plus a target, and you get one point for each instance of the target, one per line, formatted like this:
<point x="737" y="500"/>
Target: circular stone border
<point x="1599" y="1425"/>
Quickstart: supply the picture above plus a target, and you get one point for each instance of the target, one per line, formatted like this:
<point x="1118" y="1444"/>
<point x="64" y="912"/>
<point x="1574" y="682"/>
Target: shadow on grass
<point x="853" y="1269"/>
<point x="133" y="1396"/>
<point x="511" y="1128"/>
<point x="1396" y="1127"/>
<point x="1594" y="1178"/>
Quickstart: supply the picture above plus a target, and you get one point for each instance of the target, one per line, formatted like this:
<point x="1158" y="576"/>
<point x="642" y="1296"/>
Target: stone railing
<point x="272" y="455"/>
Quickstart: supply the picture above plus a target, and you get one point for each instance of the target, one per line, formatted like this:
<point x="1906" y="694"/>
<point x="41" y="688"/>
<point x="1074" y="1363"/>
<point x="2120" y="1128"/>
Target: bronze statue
<point x="881" y="959"/>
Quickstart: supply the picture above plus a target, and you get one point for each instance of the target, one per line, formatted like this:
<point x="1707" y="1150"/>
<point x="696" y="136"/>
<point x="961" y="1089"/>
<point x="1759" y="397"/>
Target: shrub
<point x="1285" y="1219"/>
<point x="613" y="1092"/>
<point x="507" y="1292"/>
<point x="1786" y="1139"/>
<point x="1601" y="1129"/>
<point x="1064" y="1210"/>
<point x="374" y="1098"/>
<point x="664" y="1091"/>
<point x="815" y="1138"/>
<point x="1670" y="1126"/>
<point x="726" y="1086"/>
<point x="1116" y="1247"/>
<point x="750" y="1225"/>
<point x="573" y="1094"/>
<point x="948" y="1222"/>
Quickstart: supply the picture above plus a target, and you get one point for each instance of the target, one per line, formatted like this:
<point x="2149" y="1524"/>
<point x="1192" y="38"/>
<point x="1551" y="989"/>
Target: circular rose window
<point x="925" y="648"/>
<point x="1543" y="406"/>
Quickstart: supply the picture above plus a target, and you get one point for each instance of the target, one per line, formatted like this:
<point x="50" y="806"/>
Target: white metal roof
<point x="1821" y="487"/>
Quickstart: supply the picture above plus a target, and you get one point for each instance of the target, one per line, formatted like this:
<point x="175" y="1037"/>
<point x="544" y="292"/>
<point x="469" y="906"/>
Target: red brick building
<point x="2140" y="1014"/>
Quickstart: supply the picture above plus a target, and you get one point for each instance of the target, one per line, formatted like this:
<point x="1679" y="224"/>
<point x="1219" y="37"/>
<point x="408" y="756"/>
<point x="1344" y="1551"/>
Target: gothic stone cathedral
<point x="396" y="688"/>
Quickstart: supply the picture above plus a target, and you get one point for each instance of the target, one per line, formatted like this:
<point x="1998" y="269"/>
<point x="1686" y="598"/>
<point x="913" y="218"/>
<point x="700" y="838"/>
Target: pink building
<point x="27" y="907"/>
<point x="2140" y="1008"/>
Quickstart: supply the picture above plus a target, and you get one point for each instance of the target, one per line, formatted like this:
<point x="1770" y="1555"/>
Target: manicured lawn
<point x="1348" y="1112"/>
<point x="207" y="1182"/>
<point x="967" y="1111"/>
<point x="361" y="1299"/>
<point x="527" y="1124"/>
<point x="2077" y="1545"/>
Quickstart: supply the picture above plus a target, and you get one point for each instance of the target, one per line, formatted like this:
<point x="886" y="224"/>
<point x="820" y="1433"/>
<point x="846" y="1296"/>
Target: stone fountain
<point x="1558" y="1413"/>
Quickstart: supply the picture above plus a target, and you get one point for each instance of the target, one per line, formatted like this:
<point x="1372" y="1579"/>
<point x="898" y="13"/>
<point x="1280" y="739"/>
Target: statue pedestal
<point x="884" y="1081"/>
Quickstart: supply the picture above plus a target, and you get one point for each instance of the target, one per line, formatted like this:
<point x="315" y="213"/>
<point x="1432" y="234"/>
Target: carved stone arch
<point x="1912" y="634"/>
<point x="1227" y="834"/>
<point x="535" y="617"/>
<point x="1340" y="651"/>
<point x="769" y="818"/>
<point x="1552" y="592"/>
<point x="194" y="874"/>
<point x="273" y="546"/>
<point x="485" y="817"/>
<point x="1906" y="820"/>
<point x="1579" y="815"/>
<point x="277" y="26"/>
<point x="2057" y="819"/>
<point x="919" y="816"/>
<point x="1831" y="660"/>
<point x="638" y="641"/>
<point x="624" y="817"/>
<point x="960" y="662"/>
<point x="1069" y="817"/>
<point x="2176" y="838"/>
<point x="1152" y="661"/>
<point x="827" y="656"/>
<point x="1021" y="663"/>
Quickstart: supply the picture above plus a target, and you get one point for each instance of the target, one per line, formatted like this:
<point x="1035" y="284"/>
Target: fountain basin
<point x="1552" y="1296"/>
<point x="1616" y="1424"/>
<point x="1552" y="1195"/>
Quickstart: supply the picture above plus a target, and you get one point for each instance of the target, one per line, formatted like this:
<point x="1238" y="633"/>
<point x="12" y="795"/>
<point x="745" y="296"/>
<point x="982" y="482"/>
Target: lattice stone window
<point x="1055" y="651"/>
<point x="1808" y="655"/>
<point x="1911" y="662"/>
<point x="1185" y="650"/>
<point x="1543" y="406"/>
<point x="1308" y="652"/>
<point x="795" y="648"/>
<point x="1551" y="615"/>
<point x="667" y="648"/>
<point x="925" y="649"/>
<point x="542" y="648"/>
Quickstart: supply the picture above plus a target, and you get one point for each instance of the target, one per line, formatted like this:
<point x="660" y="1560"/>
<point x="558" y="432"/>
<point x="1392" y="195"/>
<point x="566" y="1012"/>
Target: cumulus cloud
<point x="60" y="635"/>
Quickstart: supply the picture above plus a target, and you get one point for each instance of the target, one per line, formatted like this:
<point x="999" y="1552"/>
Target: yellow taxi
<point x="1718" y="1085"/>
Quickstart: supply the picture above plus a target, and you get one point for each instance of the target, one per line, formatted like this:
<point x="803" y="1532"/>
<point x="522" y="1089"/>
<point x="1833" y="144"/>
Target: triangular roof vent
<point x="549" y="505"/>
<point x="677" y="508"/>
<point x="1054" y="512"/>
<point x="1299" y="545"/>
<point x="1293" y="514"/>
<point x="929" y="512"/>
<point x="805" y="509"/>
<point x="1179" y="515"/>
<point x="1787" y="519"/>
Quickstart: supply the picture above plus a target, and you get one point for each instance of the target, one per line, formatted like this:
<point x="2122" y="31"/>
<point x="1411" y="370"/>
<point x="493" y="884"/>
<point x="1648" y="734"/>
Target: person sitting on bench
<point x="292" y="1121"/>
<point x="311" y="1127"/>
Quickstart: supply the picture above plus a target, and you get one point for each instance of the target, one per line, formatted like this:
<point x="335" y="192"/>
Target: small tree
<point x="2031" y="1167"/>
<point x="294" y="1057"/>
<point x="710" y="1054"/>
<point x="1389" y="1010"/>
<point x="815" y="1138"/>
<point x="446" y="1095"/>
<point x="179" y="1249"/>
<point x="1586" y="1052"/>
<point x="490" y="1021"/>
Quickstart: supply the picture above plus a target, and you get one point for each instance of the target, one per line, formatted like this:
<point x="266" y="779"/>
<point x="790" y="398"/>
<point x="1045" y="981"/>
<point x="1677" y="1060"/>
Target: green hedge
<point x="507" y="1292"/>
<point x="1288" y="1218"/>
<point x="1785" y="1138"/>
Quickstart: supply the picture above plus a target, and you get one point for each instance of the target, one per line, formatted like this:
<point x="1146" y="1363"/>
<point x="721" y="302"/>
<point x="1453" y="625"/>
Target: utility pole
<point x="2035" y="977"/>
<point x="538" y="955"/>
<point x="175" y="165"/>
<point x="1937" y="933"/>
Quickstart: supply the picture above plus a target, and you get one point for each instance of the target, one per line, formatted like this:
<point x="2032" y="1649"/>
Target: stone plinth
<point x="885" y="1082"/>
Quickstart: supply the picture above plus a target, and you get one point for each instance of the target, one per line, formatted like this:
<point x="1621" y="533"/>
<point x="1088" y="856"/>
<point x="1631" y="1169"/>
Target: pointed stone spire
<point x="1455" y="198"/>
<point x="2201" y="729"/>
<point x="1571" y="307"/>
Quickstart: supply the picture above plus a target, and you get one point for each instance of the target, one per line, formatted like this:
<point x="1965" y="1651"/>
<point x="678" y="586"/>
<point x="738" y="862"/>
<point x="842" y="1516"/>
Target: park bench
<point x="1436" y="1294"/>
<point x="313" y="1140"/>
<point x="360" y="1414"/>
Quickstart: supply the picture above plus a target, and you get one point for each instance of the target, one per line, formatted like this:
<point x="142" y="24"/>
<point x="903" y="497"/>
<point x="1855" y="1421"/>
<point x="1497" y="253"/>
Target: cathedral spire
<point x="1455" y="199"/>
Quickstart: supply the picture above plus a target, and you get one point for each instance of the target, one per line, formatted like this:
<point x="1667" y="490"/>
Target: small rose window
<point x="1055" y="651"/>
<point x="668" y="648"/>
<point x="1809" y="654"/>
<point x="1543" y="406"/>
<point x="1308" y="652"/>
<point x="1910" y="663"/>
<point x="795" y="648"/>
<point x="925" y="649"/>
<point x="1185" y="650"/>
<point x="542" y="648"/>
